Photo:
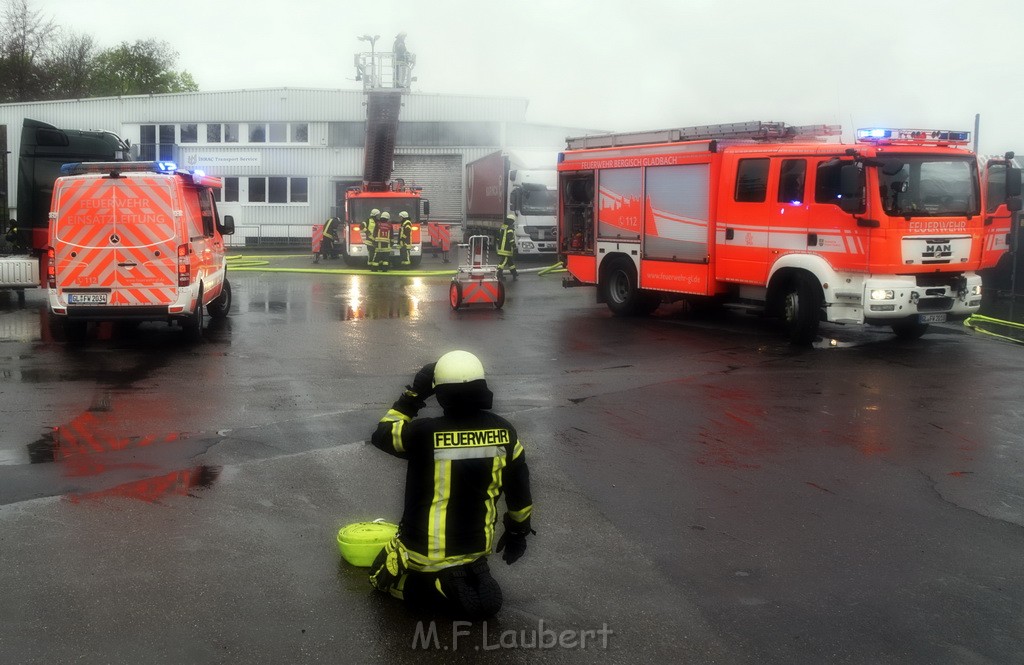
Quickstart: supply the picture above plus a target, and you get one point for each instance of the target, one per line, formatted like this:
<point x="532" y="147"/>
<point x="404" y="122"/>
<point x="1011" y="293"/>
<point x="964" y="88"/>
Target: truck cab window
<point x="752" y="181"/>
<point x="206" y="212"/>
<point x="827" y="182"/>
<point x="791" y="181"/>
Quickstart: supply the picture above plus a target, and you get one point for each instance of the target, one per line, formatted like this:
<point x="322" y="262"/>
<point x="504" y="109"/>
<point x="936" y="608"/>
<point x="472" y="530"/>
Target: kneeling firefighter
<point x="459" y="465"/>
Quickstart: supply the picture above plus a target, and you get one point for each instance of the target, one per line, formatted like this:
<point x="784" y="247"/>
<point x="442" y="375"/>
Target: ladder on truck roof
<point x="382" y="109"/>
<point x="385" y="76"/>
<point x="755" y="130"/>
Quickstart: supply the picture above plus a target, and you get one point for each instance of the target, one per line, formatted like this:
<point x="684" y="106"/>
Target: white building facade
<point x="287" y="155"/>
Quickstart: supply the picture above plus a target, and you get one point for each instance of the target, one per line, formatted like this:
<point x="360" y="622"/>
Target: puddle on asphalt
<point x="94" y="450"/>
<point x="382" y="299"/>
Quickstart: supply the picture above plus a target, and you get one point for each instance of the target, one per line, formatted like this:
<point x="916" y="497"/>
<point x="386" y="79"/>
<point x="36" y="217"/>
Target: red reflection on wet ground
<point x="95" y="444"/>
<point x="151" y="490"/>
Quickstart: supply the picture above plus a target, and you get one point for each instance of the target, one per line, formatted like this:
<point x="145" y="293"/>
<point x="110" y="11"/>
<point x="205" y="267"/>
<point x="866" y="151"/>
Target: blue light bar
<point x="919" y="136"/>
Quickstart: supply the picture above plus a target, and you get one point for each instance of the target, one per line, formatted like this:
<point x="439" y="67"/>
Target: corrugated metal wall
<point x="440" y="167"/>
<point x="440" y="176"/>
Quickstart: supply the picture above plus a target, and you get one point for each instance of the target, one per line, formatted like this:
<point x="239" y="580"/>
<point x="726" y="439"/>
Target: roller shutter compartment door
<point x="440" y="176"/>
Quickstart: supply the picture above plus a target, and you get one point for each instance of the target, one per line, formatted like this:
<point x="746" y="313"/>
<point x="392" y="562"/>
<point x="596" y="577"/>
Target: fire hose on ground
<point x="978" y="322"/>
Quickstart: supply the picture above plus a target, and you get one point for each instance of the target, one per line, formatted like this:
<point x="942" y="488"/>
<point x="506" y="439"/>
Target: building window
<point x="213" y="133"/>
<point x="300" y="132"/>
<point x="276" y="189"/>
<point x="231" y="132"/>
<point x="257" y="133"/>
<point x="167" y="142"/>
<point x="190" y="133"/>
<point x="257" y="190"/>
<point x="147" y="143"/>
<point x="278" y="132"/>
<point x="230" y="189"/>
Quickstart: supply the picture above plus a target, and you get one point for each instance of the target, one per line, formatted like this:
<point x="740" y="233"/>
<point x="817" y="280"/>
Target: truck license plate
<point x="87" y="298"/>
<point x="931" y="318"/>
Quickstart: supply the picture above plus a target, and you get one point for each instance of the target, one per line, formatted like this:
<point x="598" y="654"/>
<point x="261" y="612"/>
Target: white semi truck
<point x="520" y="182"/>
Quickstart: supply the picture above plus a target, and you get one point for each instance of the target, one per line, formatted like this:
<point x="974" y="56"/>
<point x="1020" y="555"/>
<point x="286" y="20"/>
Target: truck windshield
<point x="359" y="209"/>
<point x="929" y="186"/>
<point x="538" y="200"/>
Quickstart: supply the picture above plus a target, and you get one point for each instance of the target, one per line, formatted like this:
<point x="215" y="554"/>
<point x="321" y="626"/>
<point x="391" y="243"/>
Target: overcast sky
<point x="621" y="64"/>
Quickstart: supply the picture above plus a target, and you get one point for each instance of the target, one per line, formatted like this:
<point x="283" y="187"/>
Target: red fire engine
<point x="385" y="78"/>
<point x="774" y="218"/>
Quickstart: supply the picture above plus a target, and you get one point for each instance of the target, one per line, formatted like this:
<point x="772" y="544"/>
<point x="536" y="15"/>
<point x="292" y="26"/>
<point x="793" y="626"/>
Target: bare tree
<point x="24" y="36"/>
<point x="71" y="63"/>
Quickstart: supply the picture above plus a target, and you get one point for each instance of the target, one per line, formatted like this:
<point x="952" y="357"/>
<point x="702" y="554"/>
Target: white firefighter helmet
<point x="510" y="218"/>
<point x="457" y="367"/>
<point x="375" y="213"/>
<point x="386" y="216"/>
<point x="403" y="215"/>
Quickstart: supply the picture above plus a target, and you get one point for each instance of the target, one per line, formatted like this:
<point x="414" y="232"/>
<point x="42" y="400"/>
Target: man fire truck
<point x="888" y="231"/>
<point x="383" y="103"/>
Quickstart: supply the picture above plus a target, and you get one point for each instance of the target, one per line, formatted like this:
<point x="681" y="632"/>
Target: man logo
<point x="938" y="249"/>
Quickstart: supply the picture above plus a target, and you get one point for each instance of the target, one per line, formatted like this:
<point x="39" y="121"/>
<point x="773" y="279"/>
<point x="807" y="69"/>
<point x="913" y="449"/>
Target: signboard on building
<point x="220" y="159"/>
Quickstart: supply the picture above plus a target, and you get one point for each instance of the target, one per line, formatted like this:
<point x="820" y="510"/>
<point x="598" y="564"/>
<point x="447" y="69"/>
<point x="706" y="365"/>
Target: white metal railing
<point x="270" y="235"/>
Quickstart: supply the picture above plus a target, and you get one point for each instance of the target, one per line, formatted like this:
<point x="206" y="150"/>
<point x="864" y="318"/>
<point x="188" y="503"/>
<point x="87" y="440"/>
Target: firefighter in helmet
<point x="15" y="241"/>
<point x="382" y="243"/>
<point x="331" y="240"/>
<point x="507" y="247"/>
<point x="367" y="229"/>
<point x="405" y="237"/>
<point x="459" y="464"/>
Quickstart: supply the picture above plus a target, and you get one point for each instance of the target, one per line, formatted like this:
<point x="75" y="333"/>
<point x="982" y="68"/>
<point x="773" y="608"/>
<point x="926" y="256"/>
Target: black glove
<point x="423" y="382"/>
<point x="513" y="540"/>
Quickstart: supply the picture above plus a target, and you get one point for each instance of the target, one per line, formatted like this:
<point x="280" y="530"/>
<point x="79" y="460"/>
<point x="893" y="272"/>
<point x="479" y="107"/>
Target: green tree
<point x="144" y="67"/>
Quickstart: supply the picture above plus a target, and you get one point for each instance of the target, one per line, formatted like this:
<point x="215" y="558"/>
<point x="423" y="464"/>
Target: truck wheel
<point x="499" y="302"/>
<point x="801" y="309"/>
<point x="455" y="295"/>
<point x="621" y="293"/>
<point x="219" y="306"/>
<point x="909" y="330"/>
<point x="193" y="324"/>
<point x="414" y="261"/>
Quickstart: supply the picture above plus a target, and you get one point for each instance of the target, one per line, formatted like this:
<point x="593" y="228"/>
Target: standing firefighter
<point x="367" y="229"/>
<point x="405" y="237"/>
<point x="458" y="466"/>
<point x="382" y="243"/>
<point x="507" y="247"/>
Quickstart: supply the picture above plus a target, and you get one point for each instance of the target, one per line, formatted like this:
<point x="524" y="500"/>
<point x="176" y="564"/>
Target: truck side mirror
<point x="426" y="208"/>
<point x="851" y="188"/>
<point x="1012" y="182"/>
<point x="1013" y="204"/>
<point x="227" y="225"/>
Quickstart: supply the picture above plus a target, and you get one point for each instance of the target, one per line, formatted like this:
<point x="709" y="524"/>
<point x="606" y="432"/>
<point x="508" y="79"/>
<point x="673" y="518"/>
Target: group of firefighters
<point x="377" y="237"/>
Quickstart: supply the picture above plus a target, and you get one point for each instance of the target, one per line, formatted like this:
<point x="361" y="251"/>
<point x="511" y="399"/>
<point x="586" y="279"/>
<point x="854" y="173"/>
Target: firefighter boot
<point x="515" y="275"/>
<point x="472" y="593"/>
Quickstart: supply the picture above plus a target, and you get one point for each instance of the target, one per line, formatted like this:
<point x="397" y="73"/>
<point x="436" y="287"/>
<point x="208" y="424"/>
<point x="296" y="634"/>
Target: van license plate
<point x="87" y="298"/>
<point x="931" y="318"/>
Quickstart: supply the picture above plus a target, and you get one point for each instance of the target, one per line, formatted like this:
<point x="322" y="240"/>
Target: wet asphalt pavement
<point x="703" y="490"/>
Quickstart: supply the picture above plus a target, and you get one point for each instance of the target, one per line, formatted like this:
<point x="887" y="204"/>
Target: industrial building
<point x="287" y="155"/>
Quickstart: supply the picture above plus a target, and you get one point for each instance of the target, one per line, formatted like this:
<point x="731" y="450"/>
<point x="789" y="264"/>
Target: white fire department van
<point x="135" y="241"/>
<point x="888" y="231"/>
